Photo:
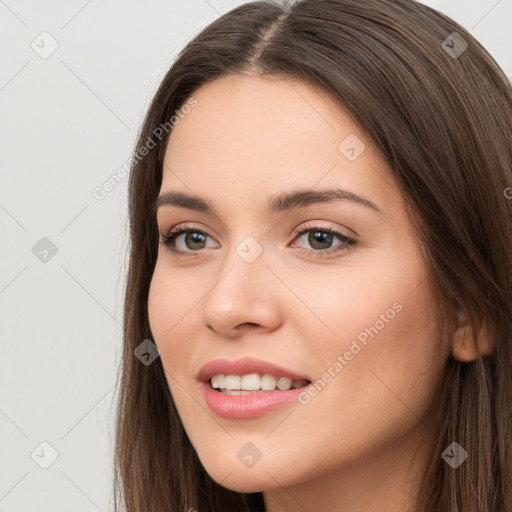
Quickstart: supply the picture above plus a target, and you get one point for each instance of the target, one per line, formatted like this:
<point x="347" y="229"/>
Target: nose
<point x="243" y="297"/>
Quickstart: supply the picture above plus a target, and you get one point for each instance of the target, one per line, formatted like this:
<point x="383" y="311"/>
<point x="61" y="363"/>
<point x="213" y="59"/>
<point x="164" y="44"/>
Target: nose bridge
<point x="243" y="267"/>
<point x="241" y="292"/>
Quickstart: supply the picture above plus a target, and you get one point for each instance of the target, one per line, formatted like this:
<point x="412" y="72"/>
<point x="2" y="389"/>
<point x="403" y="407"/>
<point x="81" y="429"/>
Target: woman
<point x="320" y="284"/>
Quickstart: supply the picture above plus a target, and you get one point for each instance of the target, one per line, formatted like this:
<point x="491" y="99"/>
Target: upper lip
<point x="245" y="366"/>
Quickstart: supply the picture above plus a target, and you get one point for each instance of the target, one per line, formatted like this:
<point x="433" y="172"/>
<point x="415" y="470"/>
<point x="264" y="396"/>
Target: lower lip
<point x="247" y="406"/>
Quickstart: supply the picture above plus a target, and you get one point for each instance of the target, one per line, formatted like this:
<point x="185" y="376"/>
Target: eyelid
<point x="315" y="224"/>
<point x="173" y="233"/>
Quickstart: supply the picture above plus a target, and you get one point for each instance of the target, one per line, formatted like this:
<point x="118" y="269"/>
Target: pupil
<point x="197" y="237"/>
<point x="320" y="237"/>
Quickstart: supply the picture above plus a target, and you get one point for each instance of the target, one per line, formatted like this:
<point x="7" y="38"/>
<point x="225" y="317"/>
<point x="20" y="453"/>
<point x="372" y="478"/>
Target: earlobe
<point x="466" y="346"/>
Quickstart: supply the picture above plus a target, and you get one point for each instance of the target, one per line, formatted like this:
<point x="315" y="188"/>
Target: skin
<point x="352" y="446"/>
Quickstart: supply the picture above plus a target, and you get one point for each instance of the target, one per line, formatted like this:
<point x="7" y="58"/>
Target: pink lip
<point x="245" y="366"/>
<point x="247" y="406"/>
<point x="253" y="404"/>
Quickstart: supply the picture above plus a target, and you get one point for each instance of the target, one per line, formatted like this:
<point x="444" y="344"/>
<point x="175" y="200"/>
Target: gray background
<point x="68" y="122"/>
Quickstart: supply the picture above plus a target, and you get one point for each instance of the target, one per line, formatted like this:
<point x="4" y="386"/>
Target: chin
<point x="245" y="480"/>
<point x="250" y="483"/>
<point x="246" y="484"/>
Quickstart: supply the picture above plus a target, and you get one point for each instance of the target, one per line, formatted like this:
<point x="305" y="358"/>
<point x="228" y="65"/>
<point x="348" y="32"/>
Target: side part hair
<point x="443" y="122"/>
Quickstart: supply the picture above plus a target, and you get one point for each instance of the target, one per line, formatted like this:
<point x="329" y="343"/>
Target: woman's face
<point x="351" y="317"/>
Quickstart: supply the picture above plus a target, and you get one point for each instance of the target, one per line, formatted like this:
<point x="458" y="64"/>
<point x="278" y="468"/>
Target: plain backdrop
<point x="75" y="80"/>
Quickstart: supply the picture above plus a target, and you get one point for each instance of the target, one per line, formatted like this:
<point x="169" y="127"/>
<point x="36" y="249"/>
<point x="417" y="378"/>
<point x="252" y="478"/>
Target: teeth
<point x="250" y="382"/>
<point x="236" y="392"/>
<point x="284" y="383"/>
<point x="241" y="385"/>
<point x="232" y="382"/>
<point x="217" y="380"/>
<point x="268" y="382"/>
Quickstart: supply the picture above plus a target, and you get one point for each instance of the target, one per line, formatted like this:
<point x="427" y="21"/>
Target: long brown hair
<point x="441" y="114"/>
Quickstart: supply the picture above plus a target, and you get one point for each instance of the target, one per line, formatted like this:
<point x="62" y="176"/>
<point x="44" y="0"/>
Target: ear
<point x="465" y="347"/>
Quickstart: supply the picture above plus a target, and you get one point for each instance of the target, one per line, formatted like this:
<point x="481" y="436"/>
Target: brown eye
<point x="322" y="238"/>
<point x="193" y="240"/>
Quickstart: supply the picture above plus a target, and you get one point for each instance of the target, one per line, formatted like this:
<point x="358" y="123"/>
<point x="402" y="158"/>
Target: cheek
<point x="380" y="358"/>
<point x="160" y="306"/>
<point x="169" y="300"/>
<point x="169" y="309"/>
<point x="382" y="363"/>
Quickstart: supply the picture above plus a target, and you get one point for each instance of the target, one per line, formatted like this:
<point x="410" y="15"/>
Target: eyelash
<point x="168" y="239"/>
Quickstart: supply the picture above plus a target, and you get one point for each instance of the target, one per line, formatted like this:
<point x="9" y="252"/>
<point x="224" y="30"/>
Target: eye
<point x="321" y="238"/>
<point x="194" y="239"/>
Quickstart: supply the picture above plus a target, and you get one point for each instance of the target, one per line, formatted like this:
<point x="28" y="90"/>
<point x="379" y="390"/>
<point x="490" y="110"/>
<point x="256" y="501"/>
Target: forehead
<point x="252" y="136"/>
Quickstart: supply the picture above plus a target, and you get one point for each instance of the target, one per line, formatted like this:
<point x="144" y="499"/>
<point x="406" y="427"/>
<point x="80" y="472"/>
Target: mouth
<point x="249" y="374"/>
<point x="254" y="383"/>
<point x="248" y="388"/>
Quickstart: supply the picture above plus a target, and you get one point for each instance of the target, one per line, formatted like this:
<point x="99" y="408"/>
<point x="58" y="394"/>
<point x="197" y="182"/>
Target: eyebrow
<point x="280" y="203"/>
